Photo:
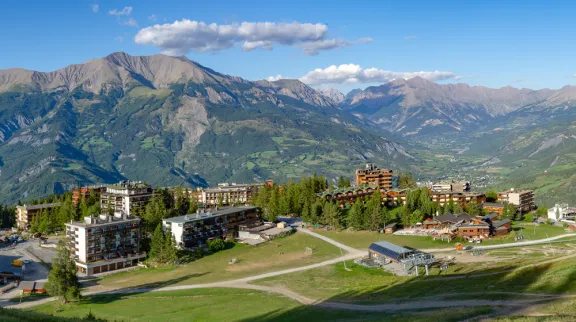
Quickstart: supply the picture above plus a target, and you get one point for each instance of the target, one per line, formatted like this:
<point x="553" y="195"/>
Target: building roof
<point x="345" y="190"/>
<point x="128" y="184"/>
<point x="97" y="221"/>
<point x="26" y="285"/>
<point x="453" y="218"/>
<point x="392" y="225"/>
<point x="478" y="225"/>
<point x="389" y="250"/>
<point x="40" y="206"/>
<point x="213" y="213"/>
<point x="501" y="222"/>
<point x="490" y="216"/>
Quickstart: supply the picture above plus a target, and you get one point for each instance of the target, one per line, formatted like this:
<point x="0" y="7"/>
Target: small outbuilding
<point x="390" y="228"/>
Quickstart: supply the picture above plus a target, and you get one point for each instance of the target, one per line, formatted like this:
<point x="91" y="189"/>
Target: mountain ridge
<point x="418" y="106"/>
<point x="171" y="121"/>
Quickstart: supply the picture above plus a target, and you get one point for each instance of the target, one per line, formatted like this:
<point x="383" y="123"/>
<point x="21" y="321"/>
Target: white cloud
<point x="119" y="39"/>
<point x="126" y="11"/>
<point x="353" y="74"/>
<point x="95" y="8"/>
<point x="251" y="45"/>
<point x="312" y="48"/>
<point x="274" y="78"/>
<point x="519" y="80"/>
<point x="183" y="36"/>
<point x="152" y="18"/>
<point x="131" y="22"/>
<point x="410" y="37"/>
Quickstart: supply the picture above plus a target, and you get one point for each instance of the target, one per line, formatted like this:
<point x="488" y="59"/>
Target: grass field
<point x="363" y="239"/>
<point x="374" y="285"/>
<point x="251" y="260"/>
<point x="228" y="305"/>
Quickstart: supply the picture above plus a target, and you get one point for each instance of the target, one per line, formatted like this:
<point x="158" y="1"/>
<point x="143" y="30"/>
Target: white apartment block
<point x="105" y="243"/>
<point x="126" y="197"/>
<point x="229" y="193"/>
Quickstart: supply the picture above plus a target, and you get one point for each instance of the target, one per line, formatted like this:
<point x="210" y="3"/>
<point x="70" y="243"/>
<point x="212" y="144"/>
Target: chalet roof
<point x="453" y="218"/>
<point x="501" y="222"/>
<point x="392" y="225"/>
<point x="345" y="190"/>
<point x="490" y="216"/>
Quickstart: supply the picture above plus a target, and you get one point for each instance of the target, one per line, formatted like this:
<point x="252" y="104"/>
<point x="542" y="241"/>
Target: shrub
<point x="216" y="245"/>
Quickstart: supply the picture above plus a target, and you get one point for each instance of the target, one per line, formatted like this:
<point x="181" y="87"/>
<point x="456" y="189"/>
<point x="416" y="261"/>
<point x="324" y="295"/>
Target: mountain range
<point x="417" y="107"/>
<point x="171" y="121"/>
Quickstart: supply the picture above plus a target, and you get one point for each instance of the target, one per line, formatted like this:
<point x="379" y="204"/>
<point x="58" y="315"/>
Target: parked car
<point x="17" y="263"/>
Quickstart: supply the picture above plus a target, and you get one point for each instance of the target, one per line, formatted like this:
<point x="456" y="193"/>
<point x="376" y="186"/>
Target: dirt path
<point x="507" y="245"/>
<point x="332" y="241"/>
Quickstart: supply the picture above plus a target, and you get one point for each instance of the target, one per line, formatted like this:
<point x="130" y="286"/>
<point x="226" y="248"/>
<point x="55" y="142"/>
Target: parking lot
<point x="33" y="271"/>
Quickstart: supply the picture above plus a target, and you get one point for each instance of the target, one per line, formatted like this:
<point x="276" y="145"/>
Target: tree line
<point x="370" y="213"/>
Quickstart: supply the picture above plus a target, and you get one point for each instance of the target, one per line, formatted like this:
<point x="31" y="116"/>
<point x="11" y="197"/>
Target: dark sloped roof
<point x="501" y="222"/>
<point x="453" y="218"/>
<point x="389" y="250"/>
<point x="490" y="216"/>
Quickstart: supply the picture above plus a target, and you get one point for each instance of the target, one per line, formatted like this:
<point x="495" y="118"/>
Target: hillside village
<point x="118" y="217"/>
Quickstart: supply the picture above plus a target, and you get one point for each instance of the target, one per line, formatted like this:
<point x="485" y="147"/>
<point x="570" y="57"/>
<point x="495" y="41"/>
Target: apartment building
<point x="462" y="198"/>
<point x="194" y="230"/>
<point x="523" y="199"/>
<point x="229" y="193"/>
<point x="25" y="214"/>
<point x="451" y="186"/>
<point x="375" y="177"/>
<point x="105" y="243"/>
<point x="125" y="197"/>
<point x="78" y="194"/>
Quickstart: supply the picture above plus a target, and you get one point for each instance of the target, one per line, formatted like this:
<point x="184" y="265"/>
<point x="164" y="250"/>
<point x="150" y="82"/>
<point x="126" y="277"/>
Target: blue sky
<point x="491" y="43"/>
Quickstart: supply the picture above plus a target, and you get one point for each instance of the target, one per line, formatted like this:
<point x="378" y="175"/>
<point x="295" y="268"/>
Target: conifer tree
<point x="62" y="280"/>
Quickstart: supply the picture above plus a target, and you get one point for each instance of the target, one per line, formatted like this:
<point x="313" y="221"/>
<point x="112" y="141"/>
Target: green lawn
<point x="373" y="285"/>
<point x="251" y="260"/>
<point x="363" y="239"/>
<point x="229" y="305"/>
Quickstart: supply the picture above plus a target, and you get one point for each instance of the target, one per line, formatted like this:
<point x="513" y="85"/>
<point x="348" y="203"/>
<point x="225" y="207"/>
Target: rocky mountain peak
<point x="335" y="95"/>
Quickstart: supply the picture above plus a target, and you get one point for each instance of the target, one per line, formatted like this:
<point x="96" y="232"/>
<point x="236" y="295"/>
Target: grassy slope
<point x="274" y="255"/>
<point x="374" y="285"/>
<point x="228" y="305"/>
<point x="363" y="239"/>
